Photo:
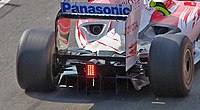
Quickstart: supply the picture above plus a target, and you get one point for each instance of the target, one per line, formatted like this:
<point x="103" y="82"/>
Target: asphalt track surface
<point x="18" y="15"/>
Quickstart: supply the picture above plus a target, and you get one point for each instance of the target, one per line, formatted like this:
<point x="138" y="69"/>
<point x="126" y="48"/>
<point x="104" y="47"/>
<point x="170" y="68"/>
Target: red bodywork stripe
<point x="80" y="34"/>
<point x="106" y="45"/>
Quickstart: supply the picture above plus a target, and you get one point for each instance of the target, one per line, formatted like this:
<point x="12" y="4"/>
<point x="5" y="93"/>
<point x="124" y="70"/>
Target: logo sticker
<point x="81" y="8"/>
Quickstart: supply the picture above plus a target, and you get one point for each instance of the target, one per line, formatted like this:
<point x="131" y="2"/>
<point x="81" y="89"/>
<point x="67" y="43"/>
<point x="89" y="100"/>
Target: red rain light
<point x="90" y="70"/>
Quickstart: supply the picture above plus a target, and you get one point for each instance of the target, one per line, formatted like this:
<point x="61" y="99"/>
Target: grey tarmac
<point x="18" y="15"/>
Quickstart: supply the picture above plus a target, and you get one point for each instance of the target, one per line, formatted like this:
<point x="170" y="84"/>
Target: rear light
<point x="90" y="70"/>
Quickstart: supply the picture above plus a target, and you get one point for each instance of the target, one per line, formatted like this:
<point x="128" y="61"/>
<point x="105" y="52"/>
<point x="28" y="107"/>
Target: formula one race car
<point x="118" y="42"/>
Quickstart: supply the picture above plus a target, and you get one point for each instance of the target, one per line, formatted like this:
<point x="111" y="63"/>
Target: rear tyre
<point x="35" y="60"/>
<point x="171" y="65"/>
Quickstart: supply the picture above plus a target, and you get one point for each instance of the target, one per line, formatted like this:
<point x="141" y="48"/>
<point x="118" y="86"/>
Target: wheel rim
<point x="188" y="69"/>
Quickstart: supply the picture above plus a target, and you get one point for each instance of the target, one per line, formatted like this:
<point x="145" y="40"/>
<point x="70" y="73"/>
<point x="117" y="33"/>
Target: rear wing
<point x="84" y="10"/>
<point x="129" y="13"/>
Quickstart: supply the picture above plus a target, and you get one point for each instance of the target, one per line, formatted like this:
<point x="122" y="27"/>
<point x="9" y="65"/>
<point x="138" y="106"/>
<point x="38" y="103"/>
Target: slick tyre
<point x="35" y="60"/>
<point x="171" y="65"/>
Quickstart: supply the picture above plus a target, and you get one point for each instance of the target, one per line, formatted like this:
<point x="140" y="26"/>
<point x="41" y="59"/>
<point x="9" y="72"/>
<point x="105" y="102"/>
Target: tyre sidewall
<point x="186" y="45"/>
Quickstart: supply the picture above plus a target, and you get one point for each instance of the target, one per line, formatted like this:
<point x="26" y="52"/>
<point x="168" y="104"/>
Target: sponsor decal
<point x="132" y="50"/>
<point x="95" y="9"/>
<point x="132" y="27"/>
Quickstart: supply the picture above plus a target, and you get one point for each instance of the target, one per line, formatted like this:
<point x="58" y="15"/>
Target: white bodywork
<point x="122" y="36"/>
